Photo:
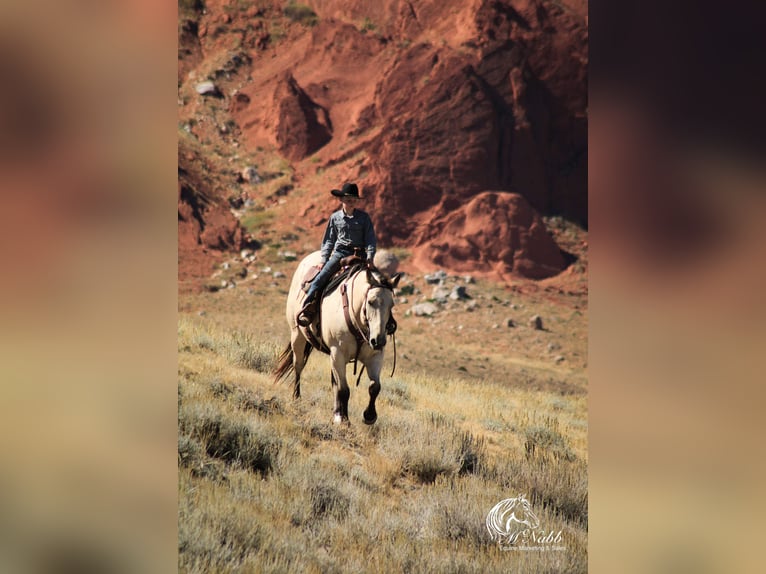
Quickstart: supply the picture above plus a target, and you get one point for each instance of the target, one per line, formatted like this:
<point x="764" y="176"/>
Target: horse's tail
<point x="286" y="365"/>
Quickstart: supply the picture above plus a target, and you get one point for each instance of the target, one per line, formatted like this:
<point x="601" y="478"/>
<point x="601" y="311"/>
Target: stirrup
<point x="307" y="314"/>
<point x="304" y="320"/>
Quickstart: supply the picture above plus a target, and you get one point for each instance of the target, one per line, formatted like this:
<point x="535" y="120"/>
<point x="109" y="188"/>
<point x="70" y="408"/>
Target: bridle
<point x="362" y="332"/>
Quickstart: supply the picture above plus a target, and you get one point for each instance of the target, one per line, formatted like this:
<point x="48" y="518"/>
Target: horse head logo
<point x="509" y="517"/>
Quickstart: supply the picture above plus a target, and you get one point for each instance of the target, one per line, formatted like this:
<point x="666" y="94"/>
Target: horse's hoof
<point x="340" y="420"/>
<point x="369" y="421"/>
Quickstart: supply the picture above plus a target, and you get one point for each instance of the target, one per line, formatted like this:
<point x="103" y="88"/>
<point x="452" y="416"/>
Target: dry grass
<point x="269" y="484"/>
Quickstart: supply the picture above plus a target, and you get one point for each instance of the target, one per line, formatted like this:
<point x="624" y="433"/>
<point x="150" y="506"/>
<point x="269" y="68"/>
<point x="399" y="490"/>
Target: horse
<point x="350" y="326"/>
<point x="508" y="517"/>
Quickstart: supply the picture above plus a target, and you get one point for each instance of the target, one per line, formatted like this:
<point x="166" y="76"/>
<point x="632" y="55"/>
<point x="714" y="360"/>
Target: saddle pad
<point x="340" y="277"/>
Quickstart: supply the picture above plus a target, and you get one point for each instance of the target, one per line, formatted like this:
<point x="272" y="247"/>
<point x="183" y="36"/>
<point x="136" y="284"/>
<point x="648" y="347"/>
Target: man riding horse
<point x="349" y="236"/>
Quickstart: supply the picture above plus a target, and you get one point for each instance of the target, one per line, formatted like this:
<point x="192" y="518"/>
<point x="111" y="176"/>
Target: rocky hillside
<point x="464" y="122"/>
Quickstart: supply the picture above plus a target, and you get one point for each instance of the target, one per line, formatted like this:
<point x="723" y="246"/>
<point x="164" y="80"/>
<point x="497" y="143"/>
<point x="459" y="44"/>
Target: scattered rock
<point x="278" y="275"/>
<point x="495" y="326"/>
<point x="202" y="313"/>
<point x="250" y="175"/>
<point x="459" y="293"/>
<point x="440" y="294"/>
<point x="469" y="279"/>
<point x="559" y="359"/>
<point x="288" y="255"/>
<point x="537" y="322"/>
<point x="225" y="265"/>
<point x="553" y="346"/>
<point x="245" y="253"/>
<point x="424" y="309"/>
<point x="403" y="300"/>
<point x="207" y="89"/>
<point x="386" y="261"/>
<point x="510" y="323"/>
<point x="471" y="306"/>
<point x="437" y="278"/>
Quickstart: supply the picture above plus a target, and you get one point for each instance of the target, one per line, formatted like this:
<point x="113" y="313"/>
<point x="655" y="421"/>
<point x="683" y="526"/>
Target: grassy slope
<point x="268" y="483"/>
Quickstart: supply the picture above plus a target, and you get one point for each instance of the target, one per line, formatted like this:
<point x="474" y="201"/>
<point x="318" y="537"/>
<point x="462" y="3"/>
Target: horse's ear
<point x="395" y="279"/>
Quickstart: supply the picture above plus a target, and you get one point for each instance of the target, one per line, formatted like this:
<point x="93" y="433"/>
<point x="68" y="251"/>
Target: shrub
<point x="250" y="444"/>
<point x="542" y="441"/>
<point x="327" y="500"/>
<point x="300" y="13"/>
<point x="242" y="352"/>
<point x="440" y="450"/>
<point x="470" y="452"/>
<point x="189" y="451"/>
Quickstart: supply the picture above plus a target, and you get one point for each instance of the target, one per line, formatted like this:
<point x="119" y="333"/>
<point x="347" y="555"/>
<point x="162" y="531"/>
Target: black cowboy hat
<point x="348" y="190"/>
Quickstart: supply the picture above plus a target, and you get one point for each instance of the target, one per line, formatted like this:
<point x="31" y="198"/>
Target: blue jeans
<point x="329" y="269"/>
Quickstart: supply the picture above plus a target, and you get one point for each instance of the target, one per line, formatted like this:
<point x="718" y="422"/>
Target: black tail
<point x="286" y="365"/>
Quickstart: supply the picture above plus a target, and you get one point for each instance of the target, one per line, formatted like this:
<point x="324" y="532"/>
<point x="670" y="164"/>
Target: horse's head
<point x="378" y="305"/>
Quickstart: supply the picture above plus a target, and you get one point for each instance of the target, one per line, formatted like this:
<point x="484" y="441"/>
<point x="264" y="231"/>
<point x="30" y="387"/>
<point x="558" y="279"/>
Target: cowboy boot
<point x="307" y="313"/>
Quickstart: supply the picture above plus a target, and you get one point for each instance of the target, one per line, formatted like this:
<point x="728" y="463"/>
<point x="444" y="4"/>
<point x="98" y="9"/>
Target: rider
<point x="349" y="234"/>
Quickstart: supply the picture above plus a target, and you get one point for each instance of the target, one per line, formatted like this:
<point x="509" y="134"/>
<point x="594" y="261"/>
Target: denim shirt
<point x="346" y="232"/>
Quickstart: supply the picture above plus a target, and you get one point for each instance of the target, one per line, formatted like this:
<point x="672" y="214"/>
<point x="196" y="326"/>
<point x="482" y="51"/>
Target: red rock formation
<point x="495" y="234"/>
<point x="508" y="115"/>
<point x="206" y="226"/>
<point x="302" y="126"/>
<point x="426" y="105"/>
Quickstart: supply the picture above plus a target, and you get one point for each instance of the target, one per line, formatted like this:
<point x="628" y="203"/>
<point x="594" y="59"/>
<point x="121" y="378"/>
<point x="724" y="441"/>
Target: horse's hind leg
<point x="299" y="345"/>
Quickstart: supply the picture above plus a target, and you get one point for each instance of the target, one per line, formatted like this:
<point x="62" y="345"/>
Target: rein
<point x="360" y="339"/>
<point x="355" y="330"/>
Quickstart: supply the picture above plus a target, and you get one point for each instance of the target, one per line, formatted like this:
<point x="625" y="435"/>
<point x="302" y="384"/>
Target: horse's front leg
<point x="374" y="366"/>
<point x="340" y="387"/>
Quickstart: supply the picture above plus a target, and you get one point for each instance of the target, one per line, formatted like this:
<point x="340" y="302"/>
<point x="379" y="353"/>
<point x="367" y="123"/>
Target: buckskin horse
<point x="350" y="327"/>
